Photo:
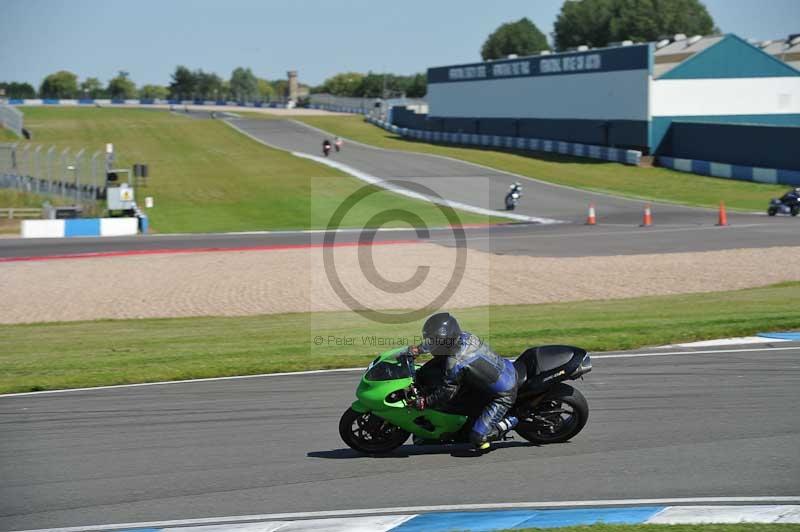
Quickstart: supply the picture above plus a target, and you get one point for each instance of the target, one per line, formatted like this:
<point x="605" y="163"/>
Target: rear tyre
<point x="795" y="211"/>
<point x="370" y="434"/>
<point x="558" y="417"/>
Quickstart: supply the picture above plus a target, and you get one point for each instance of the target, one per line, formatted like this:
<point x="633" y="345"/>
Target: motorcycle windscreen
<point x="387" y="371"/>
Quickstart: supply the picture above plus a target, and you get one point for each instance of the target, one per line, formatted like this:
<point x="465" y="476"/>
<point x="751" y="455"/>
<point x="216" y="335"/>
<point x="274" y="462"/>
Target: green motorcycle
<point x="549" y="410"/>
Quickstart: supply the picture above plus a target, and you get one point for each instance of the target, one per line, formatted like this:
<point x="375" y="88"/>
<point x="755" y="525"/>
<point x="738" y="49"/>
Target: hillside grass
<point x="206" y="177"/>
<point x="655" y="184"/>
<point x="50" y="356"/>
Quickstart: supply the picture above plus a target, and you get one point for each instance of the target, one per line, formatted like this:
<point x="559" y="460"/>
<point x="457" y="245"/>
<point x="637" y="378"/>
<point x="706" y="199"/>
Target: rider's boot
<point x="505" y="425"/>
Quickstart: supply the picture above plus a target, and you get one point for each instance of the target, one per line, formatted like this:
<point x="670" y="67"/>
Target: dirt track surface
<point x="276" y="281"/>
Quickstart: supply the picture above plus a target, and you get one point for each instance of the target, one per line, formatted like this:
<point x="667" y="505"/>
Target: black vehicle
<point x="789" y="203"/>
<point x="512" y="198"/>
<point x="326" y="147"/>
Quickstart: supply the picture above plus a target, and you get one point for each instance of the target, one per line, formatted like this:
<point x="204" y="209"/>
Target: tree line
<point x="374" y="85"/>
<point x="598" y="23"/>
<point x="185" y="84"/>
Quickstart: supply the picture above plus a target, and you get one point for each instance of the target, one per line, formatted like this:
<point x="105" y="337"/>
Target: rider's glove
<point x="419" y="402"/>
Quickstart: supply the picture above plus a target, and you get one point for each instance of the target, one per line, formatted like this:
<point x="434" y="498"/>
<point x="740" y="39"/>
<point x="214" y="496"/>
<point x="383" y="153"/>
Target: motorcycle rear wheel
<point x="558" y="417"/>
<point x="369" y="434"/>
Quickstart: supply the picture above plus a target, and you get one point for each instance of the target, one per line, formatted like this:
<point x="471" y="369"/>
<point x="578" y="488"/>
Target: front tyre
<point x="370" y="434"/>
<point x="772" y="211"/>
<point x="558" y="417"/>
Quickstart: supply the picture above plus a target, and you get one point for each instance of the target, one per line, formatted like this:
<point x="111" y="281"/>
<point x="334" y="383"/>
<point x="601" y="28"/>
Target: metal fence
<point x="53" y="171"/>
<point x="11" y="118"/>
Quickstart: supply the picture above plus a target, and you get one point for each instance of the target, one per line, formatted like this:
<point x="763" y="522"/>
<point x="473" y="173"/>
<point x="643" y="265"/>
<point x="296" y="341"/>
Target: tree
<point x="91" y="88"/>
<point x="521" y="37"/>
<point x="183" y="84"/>
<point x="344" y="84"/>
<point x="416" y="86"/>
<point x="599" y="22"/>
<point x="121" y="87"/>
<point x="244" y="85"/>
<point x="266" y="92"/>
<point x="209" y="85"/>
<point x="62" y="84"/>
<point x="154" y="92"/>
<point x="649" y="20"/>
<point x="281" y="88"/>
<point x="18" y="90"/>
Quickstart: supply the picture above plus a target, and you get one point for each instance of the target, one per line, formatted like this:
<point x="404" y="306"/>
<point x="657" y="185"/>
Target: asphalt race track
<point x="676" y="228"/>
<point x="684" y="425"/>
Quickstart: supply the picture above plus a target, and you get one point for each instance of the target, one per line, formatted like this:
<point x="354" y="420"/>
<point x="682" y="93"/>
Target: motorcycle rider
<point x="792" y="197"/>
<point x="469" y="361"/>
<point x="338" y="143"/>
<point x="516" y="188"/>
<point x="326" y="147"/>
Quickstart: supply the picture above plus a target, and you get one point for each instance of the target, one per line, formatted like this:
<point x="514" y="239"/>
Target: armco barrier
<point x="732" y="171"/>
<point x="79" y="227"/>
<point x="632" y="157"/>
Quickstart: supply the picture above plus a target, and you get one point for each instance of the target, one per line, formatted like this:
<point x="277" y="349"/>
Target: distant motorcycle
<point x="776" y="206"/>
<point x="789" y="203"/>
<point x="326" y="148"/>
<point x="512" y="198"/>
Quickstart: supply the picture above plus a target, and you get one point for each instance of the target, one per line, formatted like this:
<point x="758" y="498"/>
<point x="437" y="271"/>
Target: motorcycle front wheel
<point x="558" y="417"/>
<point x="772" y="211"/>
<point x="370" y="434"/>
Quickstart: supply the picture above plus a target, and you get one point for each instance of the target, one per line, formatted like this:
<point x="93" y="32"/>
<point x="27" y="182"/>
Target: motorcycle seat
<point x="542" y="359"/>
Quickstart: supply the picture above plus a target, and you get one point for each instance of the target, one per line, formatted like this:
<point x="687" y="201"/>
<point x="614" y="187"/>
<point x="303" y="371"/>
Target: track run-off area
<point x="664" y="423"/>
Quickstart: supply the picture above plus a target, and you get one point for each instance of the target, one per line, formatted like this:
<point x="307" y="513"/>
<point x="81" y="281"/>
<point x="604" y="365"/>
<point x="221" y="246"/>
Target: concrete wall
<point x="79" y="227"/>
<point x="620" y="133"/>
<point x="737" y="144"/>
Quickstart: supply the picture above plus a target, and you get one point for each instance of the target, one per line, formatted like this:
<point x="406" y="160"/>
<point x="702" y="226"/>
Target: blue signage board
<point x="635" y="57"/>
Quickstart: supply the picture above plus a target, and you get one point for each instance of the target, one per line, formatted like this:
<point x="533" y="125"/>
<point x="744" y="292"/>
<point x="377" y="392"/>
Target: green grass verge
<point x="79" y="354"/>
<point x="646" y="183"/>
<point x="207" y="177"/>
<point x="742" y="527"/>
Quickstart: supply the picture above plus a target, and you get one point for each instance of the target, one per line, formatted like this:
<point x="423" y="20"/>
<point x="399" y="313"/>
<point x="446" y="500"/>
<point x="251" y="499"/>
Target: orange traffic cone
<point x="592" y="218"/>
<point x="647" y="221"/>
<point x="723" y="216"/>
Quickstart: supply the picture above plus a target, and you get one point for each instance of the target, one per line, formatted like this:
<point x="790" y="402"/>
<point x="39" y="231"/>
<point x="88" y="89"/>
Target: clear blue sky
<point x="148" y="38"/>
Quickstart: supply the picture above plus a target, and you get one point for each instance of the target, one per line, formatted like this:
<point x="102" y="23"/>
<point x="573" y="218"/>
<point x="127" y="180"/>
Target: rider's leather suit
<point x="480" y="368"/>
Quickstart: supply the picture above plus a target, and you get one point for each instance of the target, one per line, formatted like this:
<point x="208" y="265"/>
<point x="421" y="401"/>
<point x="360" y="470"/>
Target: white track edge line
<point x="386" y="184"/>
<point x="346" y="370"/>
<point x="419" y="509"/>
<point x="594" y="192"/>
<point x="397" y="189"/>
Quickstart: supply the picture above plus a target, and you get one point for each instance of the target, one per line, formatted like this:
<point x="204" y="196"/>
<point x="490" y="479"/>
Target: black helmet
<point x="441" y="333"/>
